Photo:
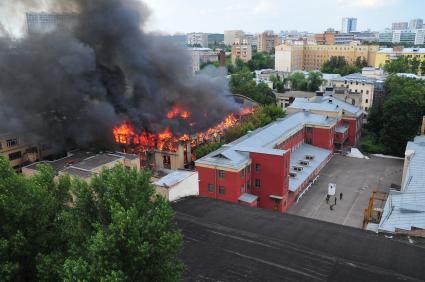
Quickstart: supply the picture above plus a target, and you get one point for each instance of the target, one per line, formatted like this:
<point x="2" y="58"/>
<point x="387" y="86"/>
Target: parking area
<point x="356" y="179"/>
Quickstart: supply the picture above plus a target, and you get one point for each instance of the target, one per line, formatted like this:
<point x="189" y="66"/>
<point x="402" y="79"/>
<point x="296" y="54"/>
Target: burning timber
<point x="167" y="150"/>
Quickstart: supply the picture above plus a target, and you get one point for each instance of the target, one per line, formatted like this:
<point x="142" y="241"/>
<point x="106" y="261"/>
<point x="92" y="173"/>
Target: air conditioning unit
<point x="298" y="168"/>
<point x="305" y="163"/>
<point x="293" y="174"/>
<point x="309" y="157"/>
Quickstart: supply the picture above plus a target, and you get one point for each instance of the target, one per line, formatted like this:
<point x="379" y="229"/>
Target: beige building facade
<point x="290" y="58"/>
<point x="241" y="51"/>
<point x="267" y="41"/>
<point x="232" y="36"/>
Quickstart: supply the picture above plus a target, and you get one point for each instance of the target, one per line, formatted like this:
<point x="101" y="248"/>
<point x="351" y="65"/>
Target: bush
<point x="370" y="145"/>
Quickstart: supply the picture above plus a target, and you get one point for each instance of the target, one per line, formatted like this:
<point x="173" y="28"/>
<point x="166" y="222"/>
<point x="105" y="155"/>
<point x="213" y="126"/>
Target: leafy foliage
<point x="340" y="66"/>
<point x="278" y="83"/>
<point x="405" y="64"/>
<point x="300" y="83"/>
<point x="115" y="229"/>
<point x="398" y="119"/>
<point x="260" y="60"/>
<point x="243" y="83"/>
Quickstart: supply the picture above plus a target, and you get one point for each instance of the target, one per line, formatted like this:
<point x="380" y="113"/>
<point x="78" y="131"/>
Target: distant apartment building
<point x="331" y="37"/>
<point x="202" y="55"/>
<point x="241" y="51"/>
<point x="400" y="25"/>
<point x="48" y="22"/>
<point x="232" y="36"/>
<point x="267" y="41"/>
<point x="289" y="58"/>
<point x="385" y="55"/>
<point x="416" y="24"/>
<point x="197" y="39"/>
<point x="349" y="25"/>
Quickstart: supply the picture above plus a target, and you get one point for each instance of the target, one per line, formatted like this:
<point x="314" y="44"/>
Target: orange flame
<point x="165" y="140"/>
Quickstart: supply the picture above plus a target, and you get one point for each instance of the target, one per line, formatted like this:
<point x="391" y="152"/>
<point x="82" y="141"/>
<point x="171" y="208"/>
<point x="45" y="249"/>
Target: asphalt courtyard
<point x="356" y="179"/>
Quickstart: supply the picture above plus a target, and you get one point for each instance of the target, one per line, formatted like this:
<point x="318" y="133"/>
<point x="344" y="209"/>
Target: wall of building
<point x="323" y="137"/>
<point x="273" y="177"/>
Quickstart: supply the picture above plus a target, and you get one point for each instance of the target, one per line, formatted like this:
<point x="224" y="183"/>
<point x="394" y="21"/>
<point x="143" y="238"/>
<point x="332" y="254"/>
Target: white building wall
<point x="187" y="187"/>
<point x="283" y="60"/>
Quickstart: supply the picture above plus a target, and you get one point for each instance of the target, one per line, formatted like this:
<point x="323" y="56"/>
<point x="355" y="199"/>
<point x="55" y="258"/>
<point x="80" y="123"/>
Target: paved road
<point x="356" y="179"/>
<point x="228" y="242"/>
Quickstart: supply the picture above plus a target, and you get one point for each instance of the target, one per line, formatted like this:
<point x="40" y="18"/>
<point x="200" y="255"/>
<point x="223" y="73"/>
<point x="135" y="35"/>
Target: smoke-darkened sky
<point x="73" y="87"/>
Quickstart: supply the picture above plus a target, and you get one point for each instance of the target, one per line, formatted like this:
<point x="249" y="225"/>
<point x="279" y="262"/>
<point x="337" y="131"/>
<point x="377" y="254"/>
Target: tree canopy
<point x="404" y="64"/>
<point x="243" y="83"/>
<point x="301" y="83"/>
<point x="111" y="229"/>
<point x="339" y="65"/>
<point x="397" y="120"/>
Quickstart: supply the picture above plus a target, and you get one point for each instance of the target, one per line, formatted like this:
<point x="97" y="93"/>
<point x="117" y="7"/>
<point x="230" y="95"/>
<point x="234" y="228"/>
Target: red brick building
<point x="274" y="166"/>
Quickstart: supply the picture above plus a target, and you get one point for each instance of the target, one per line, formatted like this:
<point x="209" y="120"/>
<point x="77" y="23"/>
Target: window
<point x="242" y="189"/>
<point x="12" y="142"/>
<point x="15" y="156"/>
<point x="221" y="174"/>
<point x="309" y="129"/>
<point x="248" y="169"/>
<point x="257" y="167"/>
<point x="221" y="190"/>
<point x="242" y="173"/>
<point x="257" y="183"/>
<point x="367" y="101"/>
<point x="367" y="91"/>
<point x="248" y="184"/>
<point x="210" y="188"/>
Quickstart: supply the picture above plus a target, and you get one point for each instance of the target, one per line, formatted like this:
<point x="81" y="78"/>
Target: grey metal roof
<point x="341" y="129"/>
<point x="356" y="77"/>
<point x="404" y="51"/>
<point x="299" y="155"/>
<point x="174" y="178"/>
<point x="248" y="198"/>
<point x="323" y="104"/>
<point x="96" y="161"/>
<point x="406" y="209"/>
<point x="263" y="140"/>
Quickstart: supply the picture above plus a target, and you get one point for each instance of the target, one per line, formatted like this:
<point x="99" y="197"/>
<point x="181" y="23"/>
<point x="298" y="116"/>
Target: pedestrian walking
<point x="335" y="200"/>
<point x="327" y="199"/>
<point x="331" y="207"/>
<point x="340" y="196"/>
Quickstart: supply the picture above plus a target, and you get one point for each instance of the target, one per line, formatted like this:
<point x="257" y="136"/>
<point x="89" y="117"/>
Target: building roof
<point x="356" y="77"/>
<point x="228" y="242"/>
<point x="330" y="76"/>
<point x="404" y="51"/>
<point x="82" y="164"/>
<point x="320" y="155"/>
<point x="406" y="209"/>
<point x="263" y="140"/>
<point x="297" y="94"/>
<point x="174" y="178"/>
<point x="326" y="104"/>
<point x="248" y="198"/>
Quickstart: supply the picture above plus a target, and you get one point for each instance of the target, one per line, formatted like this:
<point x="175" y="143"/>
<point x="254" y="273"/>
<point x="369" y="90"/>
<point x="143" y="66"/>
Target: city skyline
<point x="180" y="15"/>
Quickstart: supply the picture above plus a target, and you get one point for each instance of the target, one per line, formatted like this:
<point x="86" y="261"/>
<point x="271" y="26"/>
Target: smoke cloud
<point x="73" y="87"/>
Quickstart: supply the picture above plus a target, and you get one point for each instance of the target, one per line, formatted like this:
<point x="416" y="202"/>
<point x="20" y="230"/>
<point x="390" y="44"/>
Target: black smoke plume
<point x="73" y="87"/>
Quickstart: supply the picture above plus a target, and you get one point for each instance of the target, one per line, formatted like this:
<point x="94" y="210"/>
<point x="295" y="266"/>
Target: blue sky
<point x="172" y="16"/>
<point x="258" y="15"/>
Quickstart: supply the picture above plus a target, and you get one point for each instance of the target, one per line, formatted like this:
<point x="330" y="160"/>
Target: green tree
<point x="398" y="119"/>
<point x="115" y="229"/>
<point x="314" y="81"/>
<point x="422" y="68"/>
<point x="298" y="81"/>
<point x="340" y="66"/>
<point x="278" y="83"/>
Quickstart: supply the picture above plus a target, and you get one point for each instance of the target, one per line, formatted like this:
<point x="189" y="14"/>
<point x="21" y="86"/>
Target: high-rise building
<point x="48" y="22"/>
<point x="349" y="25"/>
<point x="267" y="41"/>
<point x="400" y="25"/>
<point x="416" y="23"/>
<point x="197" y="39"/>
<point x="232" y="36"/>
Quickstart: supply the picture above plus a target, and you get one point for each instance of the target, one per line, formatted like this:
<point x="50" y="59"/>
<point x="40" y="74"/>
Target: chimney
<point x="423" y="126"/>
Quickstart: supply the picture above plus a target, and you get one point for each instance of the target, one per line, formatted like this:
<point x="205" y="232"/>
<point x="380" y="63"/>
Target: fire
<point x="178" y="111"/>
<point x="166" y="140"/>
